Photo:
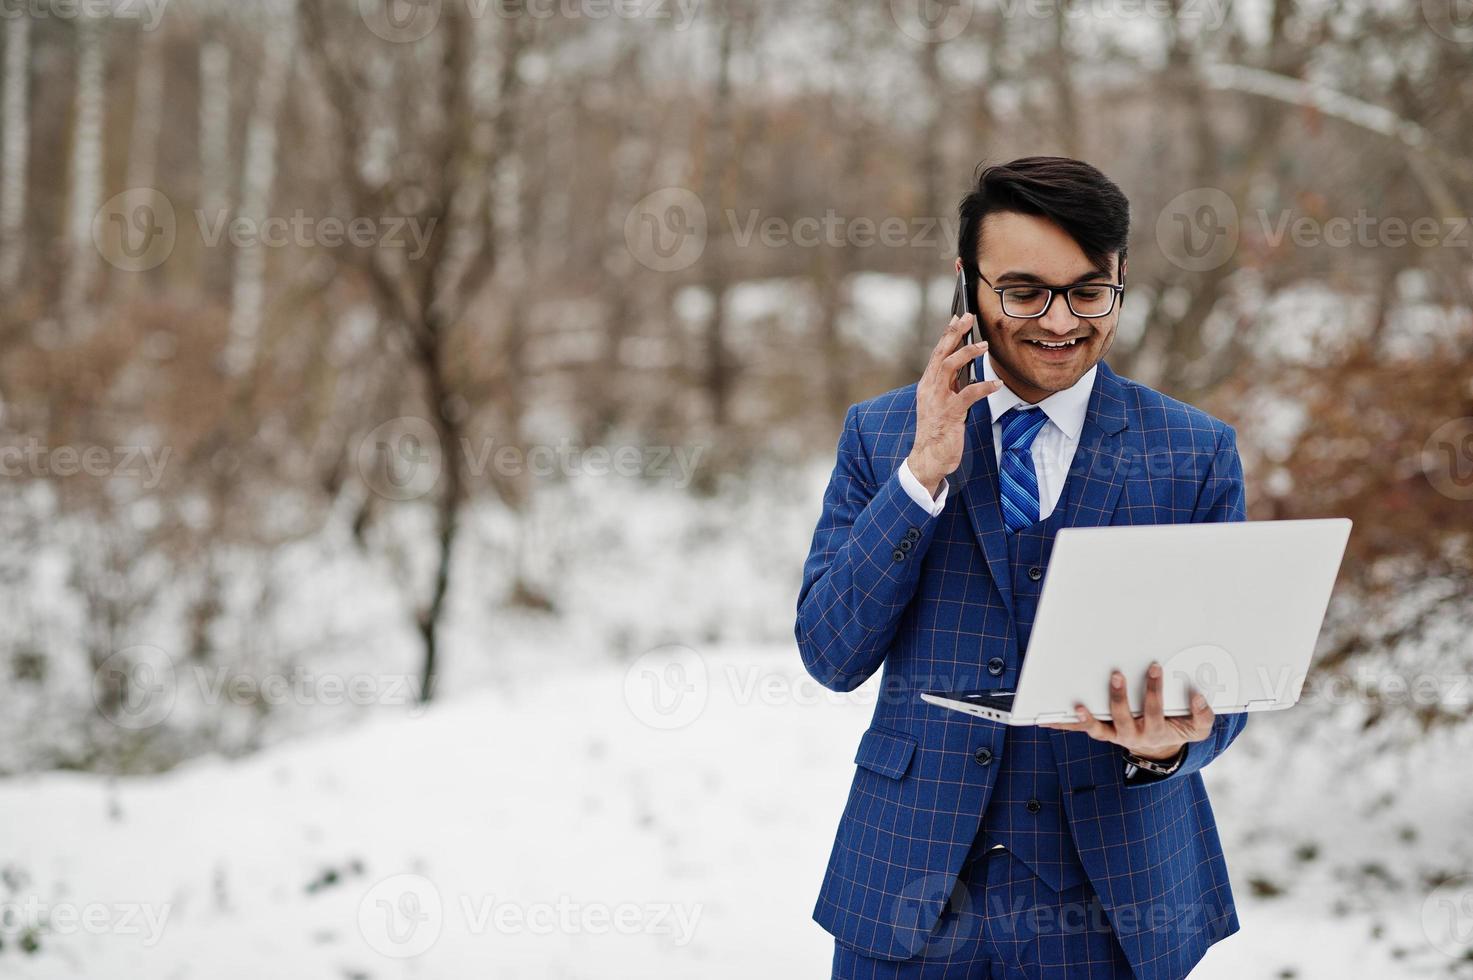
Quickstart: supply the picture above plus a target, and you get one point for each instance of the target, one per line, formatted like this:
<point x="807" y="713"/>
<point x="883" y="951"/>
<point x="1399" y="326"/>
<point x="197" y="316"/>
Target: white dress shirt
<point x="1053" y="448"/>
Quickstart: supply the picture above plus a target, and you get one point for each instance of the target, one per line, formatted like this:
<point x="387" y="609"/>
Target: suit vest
<point x="1025" y="812"/>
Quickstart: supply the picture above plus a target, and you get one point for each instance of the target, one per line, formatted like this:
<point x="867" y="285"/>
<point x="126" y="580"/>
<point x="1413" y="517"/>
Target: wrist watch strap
<point x="1159" y="768"/>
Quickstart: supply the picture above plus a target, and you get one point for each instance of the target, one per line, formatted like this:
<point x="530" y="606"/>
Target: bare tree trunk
<point x="279" y="39"/>
<point x="85" y="194"/>
<point x="143" y="141"/>
<point x="1063" y="83"/>
<point x="214" y="148"/>
<point x="718" y="366"/>
<point x="926" y="330"/>
<point x="15" y="132"/>
<point x="448" y="427"/>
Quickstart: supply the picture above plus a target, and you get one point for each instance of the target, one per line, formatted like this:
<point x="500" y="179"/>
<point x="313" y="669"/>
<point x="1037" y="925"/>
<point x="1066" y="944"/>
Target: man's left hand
<point x="1152" y="736"/>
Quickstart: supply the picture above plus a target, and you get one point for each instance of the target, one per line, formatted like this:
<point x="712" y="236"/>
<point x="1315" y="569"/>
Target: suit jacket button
<point x="1033" y="806"/>
<point x="906" y="544"/>
<point x="983" y="755"/>
<point x="995" y="666"/>
<point x="1035" y="573"/>
<point x="897" y="555"/>
<point x="913" y="535"/>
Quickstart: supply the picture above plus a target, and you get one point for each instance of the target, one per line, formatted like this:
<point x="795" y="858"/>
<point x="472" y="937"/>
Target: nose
<point x="1059" y="320"/>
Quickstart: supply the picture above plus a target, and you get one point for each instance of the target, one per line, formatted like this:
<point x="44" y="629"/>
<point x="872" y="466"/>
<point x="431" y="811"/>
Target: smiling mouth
<point x="1057" y="344"/>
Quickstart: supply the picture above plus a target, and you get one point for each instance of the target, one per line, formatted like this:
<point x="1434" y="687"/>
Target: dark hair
<point x="1070" y="193"/>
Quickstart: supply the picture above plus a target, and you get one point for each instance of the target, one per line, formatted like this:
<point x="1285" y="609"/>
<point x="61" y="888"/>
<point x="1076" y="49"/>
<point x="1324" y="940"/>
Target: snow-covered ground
<point x="584" y="800"/>
<point x="669" y="816"/>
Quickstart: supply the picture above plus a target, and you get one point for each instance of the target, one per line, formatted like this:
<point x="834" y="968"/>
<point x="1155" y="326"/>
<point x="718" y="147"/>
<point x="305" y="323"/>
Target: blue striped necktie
<point x="1017" y="479"/>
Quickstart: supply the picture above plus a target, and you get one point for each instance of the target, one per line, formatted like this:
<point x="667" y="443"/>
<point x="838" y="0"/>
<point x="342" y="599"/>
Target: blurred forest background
<point x="711" y="228"/>
<point x="294" y="295"/>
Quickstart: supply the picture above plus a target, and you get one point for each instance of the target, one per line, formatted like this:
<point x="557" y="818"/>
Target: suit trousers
<point x="1003" y="923"/>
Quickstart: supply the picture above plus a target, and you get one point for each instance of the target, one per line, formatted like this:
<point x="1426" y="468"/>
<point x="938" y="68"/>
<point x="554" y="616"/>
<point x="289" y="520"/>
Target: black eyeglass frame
<point x="1116" y="290"/>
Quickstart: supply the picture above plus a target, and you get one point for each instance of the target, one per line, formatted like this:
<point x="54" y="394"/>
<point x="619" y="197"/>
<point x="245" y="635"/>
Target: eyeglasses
<point x="1087" y="300"/>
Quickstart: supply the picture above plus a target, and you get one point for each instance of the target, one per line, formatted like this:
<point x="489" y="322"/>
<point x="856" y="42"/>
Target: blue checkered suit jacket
<point x="929" y="599"/>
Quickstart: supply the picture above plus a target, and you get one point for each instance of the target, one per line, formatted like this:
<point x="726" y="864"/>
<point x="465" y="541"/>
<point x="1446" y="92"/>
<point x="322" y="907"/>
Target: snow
<point x="667" y="817"/>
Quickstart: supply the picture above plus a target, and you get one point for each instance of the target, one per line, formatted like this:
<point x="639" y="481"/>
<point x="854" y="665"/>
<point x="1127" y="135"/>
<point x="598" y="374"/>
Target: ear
<point x="958" y="264"/>
<point x="1123" y="266"/>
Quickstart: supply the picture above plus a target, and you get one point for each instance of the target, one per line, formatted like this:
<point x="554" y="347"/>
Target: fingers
<point x="974" y="393"/>
<point x="1120" y="706"/>
<point x="1154" y="714"/>
<point x="950" y="336"/>
<point x="958" y="358"/>
<point x="1202" y="717"/>
<point x="1090" y="725"/>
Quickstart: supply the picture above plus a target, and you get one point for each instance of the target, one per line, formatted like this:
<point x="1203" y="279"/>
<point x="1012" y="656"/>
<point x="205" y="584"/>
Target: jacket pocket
<point x="885" y="752"/>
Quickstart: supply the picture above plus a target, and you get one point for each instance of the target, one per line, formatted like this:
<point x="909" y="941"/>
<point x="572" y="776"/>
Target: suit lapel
<point x="979" y="490"/>
<point x="1095" y="477"/>
<point x="1103" y="455"/>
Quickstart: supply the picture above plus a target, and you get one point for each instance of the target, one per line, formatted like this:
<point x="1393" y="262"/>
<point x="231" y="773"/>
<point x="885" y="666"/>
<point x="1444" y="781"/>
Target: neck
<point x="1017" y="386"/>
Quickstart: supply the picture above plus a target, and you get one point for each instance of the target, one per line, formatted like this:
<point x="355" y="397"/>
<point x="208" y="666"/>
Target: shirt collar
<point x="1065" y="409"/>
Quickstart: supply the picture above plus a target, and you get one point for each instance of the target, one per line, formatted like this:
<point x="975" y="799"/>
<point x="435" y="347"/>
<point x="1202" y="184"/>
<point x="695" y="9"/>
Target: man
<point x="968" y="849"/>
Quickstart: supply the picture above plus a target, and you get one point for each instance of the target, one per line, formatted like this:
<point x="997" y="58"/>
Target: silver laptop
<point x="1231" y="610"/>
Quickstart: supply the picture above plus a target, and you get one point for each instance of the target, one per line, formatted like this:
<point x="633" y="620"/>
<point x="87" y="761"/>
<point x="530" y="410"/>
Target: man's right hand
<point x="941" y="409"/>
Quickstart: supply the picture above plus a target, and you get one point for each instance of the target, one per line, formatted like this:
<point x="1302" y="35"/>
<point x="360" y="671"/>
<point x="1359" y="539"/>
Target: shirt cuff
<point x="920" y="494"/>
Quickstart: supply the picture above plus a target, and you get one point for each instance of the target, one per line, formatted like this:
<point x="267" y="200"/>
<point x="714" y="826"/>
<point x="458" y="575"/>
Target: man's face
<point x="1024" y="250"/>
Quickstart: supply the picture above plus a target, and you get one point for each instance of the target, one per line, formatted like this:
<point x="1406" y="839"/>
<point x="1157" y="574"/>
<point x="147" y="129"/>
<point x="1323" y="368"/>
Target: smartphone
<point x="961" y="305"/>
